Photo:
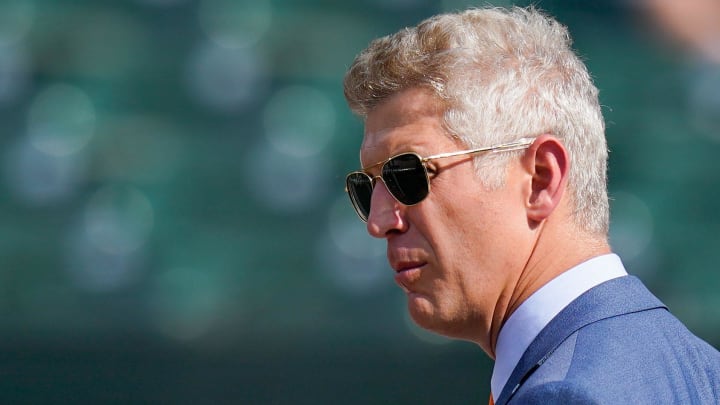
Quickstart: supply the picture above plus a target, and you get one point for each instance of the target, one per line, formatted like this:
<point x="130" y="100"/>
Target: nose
<point x="386" y="213"/>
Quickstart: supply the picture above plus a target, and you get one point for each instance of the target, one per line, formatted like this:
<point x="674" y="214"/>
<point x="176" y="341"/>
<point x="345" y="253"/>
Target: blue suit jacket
<point x="615" y="344"/>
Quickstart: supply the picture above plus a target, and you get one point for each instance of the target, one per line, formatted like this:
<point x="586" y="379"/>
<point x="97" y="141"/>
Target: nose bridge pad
<point x="375" y="179"/>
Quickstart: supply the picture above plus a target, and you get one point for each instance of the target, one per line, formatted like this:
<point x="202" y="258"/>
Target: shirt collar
<point x="541" y="307"/>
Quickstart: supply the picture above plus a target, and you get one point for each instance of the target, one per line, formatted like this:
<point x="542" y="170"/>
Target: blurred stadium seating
<point x="174" y="226"/>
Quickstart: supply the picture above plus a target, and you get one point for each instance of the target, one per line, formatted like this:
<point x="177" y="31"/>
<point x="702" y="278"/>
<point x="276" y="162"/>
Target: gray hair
<point x="502" y="74"/>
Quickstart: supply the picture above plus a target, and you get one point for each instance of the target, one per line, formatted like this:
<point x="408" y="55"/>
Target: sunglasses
<point x="406" y="176"/>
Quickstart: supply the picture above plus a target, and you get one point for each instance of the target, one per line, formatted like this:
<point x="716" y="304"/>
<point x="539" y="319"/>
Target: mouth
<point x="407" y="273"/>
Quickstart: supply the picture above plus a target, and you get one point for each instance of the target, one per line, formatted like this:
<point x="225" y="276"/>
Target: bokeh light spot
<point x="61" y="120"/>
<point x="118" y="219"/>
<point x="350" y="258"/>
<point x="235" y="23"/>
<point x="286" y="183"/>
<point x="632" y="225"/>
<point x="41" y="179"/>
<point x="98" y="270"/>
<point x="225" y="79"/>
<point x="705" y="102"/>
<point x="348" y="232"/>
<point x="299" y="121"/>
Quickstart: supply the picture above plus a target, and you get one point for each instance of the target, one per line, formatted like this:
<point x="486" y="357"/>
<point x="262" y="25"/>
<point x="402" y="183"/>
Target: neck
<point x="556" y="250"/>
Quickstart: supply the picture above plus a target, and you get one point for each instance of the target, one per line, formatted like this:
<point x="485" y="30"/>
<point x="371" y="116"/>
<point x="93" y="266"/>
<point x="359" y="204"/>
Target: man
<point x="484" y="169"/>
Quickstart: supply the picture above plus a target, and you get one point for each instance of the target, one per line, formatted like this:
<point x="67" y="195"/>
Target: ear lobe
<point x="547" y="161"/>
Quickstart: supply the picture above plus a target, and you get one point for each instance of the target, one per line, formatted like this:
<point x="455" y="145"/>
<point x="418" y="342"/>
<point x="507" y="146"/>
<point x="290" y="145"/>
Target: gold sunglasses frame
<point x="519" y="144"/>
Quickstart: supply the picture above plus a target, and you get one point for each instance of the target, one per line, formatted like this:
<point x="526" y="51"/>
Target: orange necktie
<point x="491" y="401"/>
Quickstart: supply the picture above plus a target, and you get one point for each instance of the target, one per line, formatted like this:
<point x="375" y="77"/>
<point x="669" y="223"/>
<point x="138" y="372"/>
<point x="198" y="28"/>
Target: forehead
<point x="411" y="120"/>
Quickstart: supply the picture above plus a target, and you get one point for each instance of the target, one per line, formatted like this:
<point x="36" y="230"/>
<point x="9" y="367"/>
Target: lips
<point x="407" y="273"/>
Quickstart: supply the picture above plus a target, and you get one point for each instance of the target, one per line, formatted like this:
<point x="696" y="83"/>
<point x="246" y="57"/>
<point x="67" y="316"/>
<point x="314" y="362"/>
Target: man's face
<point x="457" y="254"/>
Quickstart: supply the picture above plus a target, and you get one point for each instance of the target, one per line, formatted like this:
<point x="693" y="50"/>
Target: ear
<point x="547" y="161"/>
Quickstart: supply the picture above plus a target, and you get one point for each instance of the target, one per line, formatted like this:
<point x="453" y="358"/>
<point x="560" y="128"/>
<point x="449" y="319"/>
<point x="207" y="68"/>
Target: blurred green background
<point x="174" y="227"/>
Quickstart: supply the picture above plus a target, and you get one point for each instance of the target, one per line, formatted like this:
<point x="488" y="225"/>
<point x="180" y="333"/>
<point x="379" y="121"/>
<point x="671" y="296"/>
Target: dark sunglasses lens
<point x="406" y="179"/>
<point x="359" y="188"/>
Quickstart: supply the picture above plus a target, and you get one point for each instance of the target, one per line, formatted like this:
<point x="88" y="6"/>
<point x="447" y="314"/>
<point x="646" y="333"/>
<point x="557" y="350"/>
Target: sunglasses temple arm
<point x="510" y="146"/>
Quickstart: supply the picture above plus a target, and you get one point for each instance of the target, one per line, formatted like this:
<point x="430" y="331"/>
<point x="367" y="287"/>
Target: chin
<point x="428" y="315"/>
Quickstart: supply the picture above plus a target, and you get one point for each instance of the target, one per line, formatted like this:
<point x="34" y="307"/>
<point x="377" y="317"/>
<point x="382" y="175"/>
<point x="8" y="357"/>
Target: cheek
<point x="449" y="222"/>
<point x="477" y="238"/>
<point x="466" y="218"/>
<point x="467" y="225"/>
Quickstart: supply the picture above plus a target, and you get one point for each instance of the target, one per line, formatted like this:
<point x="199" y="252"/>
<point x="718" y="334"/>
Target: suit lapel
<point x="615" y="297"/>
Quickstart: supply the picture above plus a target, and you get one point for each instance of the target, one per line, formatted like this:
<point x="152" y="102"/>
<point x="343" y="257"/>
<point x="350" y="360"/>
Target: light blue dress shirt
<point x="540" y="308"/>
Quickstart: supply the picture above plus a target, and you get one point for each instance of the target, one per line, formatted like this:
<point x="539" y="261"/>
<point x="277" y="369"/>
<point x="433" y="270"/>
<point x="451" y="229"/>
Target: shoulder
<point x="616" y="343"/>
<point x="556" y="392"/>
<point x="621" y="359"/>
